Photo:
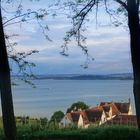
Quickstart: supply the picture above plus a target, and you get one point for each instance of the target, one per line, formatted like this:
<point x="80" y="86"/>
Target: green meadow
<point x="98" y="133"/>
<point x="35" y="130"/>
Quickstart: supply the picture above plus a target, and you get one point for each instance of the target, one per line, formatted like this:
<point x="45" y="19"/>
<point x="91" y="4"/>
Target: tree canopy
<point x="77" y="106"/>
<point x="57" y="116"/>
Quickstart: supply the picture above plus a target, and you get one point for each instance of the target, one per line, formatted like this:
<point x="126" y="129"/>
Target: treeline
<point x="41" y="123"/>
<point x="123" y="76"/>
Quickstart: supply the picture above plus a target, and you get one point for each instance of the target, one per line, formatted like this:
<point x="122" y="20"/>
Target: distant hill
<point x="122" y="76"/>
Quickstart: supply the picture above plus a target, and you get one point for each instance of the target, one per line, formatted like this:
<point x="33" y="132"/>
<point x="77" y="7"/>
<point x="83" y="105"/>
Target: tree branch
<point x="123" y="4"/>
<point x="84" y="8"/>
<point x="25" y="14"/>
<point x="83" y="14"/>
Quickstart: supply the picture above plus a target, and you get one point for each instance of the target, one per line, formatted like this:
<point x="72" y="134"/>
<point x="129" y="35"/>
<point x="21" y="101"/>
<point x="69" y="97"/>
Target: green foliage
<point x="95" y="133"/>
<point x="53" y="125"/>
<point x="43" y="122"/>
<point x="57" y="116"/>
<point x="77" y="105"/>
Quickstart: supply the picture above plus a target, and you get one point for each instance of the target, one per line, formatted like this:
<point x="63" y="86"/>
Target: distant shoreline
<point x="122" y="76"/>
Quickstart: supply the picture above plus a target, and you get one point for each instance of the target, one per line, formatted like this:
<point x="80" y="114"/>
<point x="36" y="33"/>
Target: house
<point x="123" y="120"/>
<point x="66" y="121"/>
<point x="110" y="110"/>
<point x="105" y="113"/>
<point x="96" y="115"/>
<point x="72" y="119"/>
<point x="84" y="118"/>
<point x="123" y="108"/>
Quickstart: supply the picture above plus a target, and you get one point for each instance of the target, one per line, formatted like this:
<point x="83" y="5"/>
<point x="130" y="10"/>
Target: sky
<point x="107" y="44"/>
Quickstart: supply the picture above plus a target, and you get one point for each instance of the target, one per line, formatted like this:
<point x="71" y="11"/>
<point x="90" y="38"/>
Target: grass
<point x="33" y="131"/>
<point x="95" y="133"/>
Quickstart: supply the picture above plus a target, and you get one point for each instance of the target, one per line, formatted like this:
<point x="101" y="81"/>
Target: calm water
<point x="53" y="95"/>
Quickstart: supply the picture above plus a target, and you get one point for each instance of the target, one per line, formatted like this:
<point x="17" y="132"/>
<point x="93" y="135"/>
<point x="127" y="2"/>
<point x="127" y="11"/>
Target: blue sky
<point x="108" y="45"/>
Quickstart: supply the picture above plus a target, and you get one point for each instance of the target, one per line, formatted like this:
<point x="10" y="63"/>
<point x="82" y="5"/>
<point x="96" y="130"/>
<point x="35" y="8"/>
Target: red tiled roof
<point x="123" y="107"/>
<point x="75" y="116"/>
<point x="84" y="116"/>
<point x="94" y="114"/>
<point x="106" y="108"/>
<point x="95" y="108"/>
<point x="89" y="115"/>
<point x="115" y="110"/>
<point x="105" y="103"/>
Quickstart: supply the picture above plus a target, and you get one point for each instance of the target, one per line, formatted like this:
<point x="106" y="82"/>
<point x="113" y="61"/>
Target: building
<point x="84" y="118"/>
<point x="105" y="113"/>
<point x="123" y="108"/>
<point x="110" y="110"/>
<point x="123" y="120"/>
<point x="96" y="115"/>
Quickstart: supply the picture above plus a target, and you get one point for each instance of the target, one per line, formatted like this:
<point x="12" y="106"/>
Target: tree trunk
<point x="134" y="27"/>
<point x="5" y="89"/>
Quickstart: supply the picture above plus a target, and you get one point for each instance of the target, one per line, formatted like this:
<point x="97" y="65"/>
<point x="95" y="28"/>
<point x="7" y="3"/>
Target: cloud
<point x="60" y="26"/>
<point x="107" y="44"/>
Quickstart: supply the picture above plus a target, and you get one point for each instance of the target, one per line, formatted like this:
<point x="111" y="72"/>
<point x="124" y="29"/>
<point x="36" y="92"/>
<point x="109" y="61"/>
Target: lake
<point x="53" y="95"/>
